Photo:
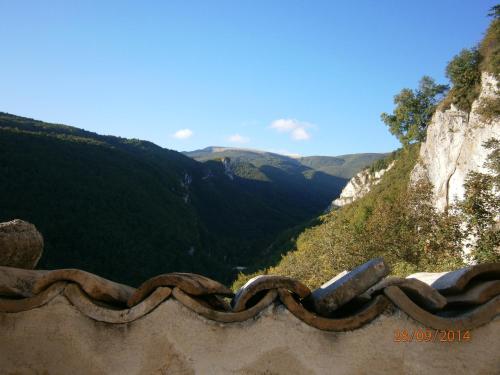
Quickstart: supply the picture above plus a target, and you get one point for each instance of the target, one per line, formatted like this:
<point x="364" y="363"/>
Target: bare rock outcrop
<point x="454" y="147"/>
<point x="358" y="186"/>
<point x="21" y="244"/>
<point x="228" y="170"/>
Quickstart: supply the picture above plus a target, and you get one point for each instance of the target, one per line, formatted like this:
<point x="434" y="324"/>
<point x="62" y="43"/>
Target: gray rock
<point x="453" y="147"/>
<point x="21" y="245"/>
<point x="340" y="290"/>
<point x="359" y="186"/>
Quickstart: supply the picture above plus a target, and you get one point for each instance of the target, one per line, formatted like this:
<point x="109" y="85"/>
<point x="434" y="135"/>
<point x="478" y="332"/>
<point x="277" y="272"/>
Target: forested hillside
<point x="382" y="223"/>
<point x="343" y="166"/>
<point x="108" y="204"/>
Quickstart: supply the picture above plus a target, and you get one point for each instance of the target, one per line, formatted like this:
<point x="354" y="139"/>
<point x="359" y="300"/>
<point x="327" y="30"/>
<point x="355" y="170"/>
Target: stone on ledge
<point x="340" y="290"/>
<point x="21" y="244"/>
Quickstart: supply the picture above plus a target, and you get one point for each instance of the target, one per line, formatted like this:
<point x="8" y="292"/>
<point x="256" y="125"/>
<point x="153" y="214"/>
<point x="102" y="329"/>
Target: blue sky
<point x="302" y="77"/>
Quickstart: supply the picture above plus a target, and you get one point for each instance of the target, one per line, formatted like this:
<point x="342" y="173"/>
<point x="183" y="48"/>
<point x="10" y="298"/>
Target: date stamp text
<point x="431" y="335"/>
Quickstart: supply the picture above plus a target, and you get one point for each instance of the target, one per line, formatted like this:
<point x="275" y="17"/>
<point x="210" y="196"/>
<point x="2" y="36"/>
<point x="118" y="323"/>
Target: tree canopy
<point x="465" y="76"/>
<point x="495" y="11"/>
<point x="414" y="109"/>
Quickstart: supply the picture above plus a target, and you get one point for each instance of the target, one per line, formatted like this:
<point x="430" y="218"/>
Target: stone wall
<point x="58" y="339"/>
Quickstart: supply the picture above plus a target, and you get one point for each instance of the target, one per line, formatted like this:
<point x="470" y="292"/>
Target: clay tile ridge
<point x="460" y="299"/>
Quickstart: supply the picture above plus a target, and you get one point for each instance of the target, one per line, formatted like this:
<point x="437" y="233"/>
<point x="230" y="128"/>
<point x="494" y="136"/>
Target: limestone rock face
<point x="21" y="245"/>
<point x="228" y="170"/>
<point x="453" y="147"/>
<point x="359" y="186"/>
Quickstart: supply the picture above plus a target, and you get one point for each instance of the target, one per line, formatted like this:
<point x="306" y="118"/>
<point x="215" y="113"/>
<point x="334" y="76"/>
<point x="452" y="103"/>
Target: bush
<point x="489" y="49"/>
<point x="490" y="45"/>
<point x="481" y="206"/>
<point x="489" y="108"/>
<point x="383" y="163"/>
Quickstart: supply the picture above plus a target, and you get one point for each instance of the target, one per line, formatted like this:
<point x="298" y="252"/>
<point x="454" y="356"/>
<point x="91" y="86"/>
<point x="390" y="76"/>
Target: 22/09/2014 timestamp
<point x="430" y="335"/>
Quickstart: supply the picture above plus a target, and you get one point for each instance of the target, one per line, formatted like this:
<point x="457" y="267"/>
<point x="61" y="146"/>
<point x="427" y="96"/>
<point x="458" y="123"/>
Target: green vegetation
<point x="343" y="166"/>
<point x="480" y="207"/>
<point x="465" y="77"/>
<point x="489" y="108"/>
<point x="99" y="207"/>
<point x="397" y="221"/>
<point x="393" y="220"/>
<point x="110" y="205"/>
<point x="464" y="72"/>
<point x="414" y="110"/>
<point x="384" y="162"/>
<point x="489" y="47"/>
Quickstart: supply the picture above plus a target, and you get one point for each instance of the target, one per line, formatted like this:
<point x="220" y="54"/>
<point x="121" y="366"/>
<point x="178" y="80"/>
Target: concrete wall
<point x="57" y="338"/>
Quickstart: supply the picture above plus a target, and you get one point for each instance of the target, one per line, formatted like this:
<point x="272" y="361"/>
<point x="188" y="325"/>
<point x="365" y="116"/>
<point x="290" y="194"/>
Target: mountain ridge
<point x="106" y="203"/>
<point x="344" y="166"/>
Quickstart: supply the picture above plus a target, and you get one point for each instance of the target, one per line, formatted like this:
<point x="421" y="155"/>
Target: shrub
<point x="489" y="108"/>
<point x="490" y="45"/>
<point x="481" y="206"/>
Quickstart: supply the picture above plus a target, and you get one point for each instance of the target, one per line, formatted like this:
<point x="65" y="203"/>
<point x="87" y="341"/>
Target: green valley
<point x="108" y="204"/>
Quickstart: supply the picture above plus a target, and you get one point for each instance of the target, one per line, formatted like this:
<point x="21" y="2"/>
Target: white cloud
<point x="285" y="125"/>
<point x="296" y="128"/>
<point x="300" y="134"/>
<point x="183" y="134"/>
<point x="236" y="138"/>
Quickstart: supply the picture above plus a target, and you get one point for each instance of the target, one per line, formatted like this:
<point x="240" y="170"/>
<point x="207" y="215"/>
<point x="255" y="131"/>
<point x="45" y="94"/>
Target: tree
<point x="414" y="110"/>
<point x="495" y="11"/>
<point x="465" y="76"/>
<point x="489" y="47"/>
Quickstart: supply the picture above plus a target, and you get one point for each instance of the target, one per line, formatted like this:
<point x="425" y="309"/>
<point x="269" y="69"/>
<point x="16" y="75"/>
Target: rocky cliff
<point x="359" y="186"/>
<point x="454" y="147"/>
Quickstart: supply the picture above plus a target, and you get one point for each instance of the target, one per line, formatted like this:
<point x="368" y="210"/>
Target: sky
<point x="294" y="77"/>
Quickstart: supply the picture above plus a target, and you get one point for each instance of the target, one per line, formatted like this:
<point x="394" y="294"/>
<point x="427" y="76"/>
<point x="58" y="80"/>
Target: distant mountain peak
<point x="216" y="149"/>
<point x="344" y="166"/>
